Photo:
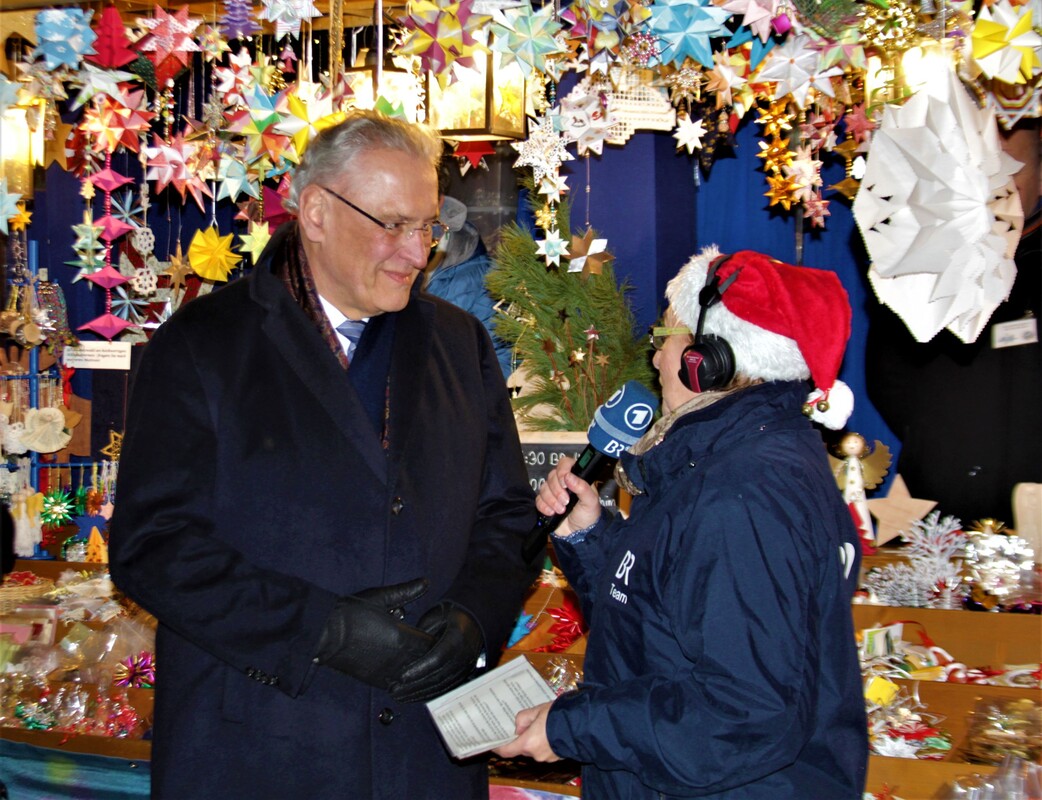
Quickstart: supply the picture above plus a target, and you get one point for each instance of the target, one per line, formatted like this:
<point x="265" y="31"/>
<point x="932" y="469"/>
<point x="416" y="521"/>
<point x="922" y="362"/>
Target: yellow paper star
<point x="254" y="242"/>
<point x="897" y="511"/>
<point x="211" y="256"/>
<point x="848" y="187"/>
<point x="588" y="254"/>
<point x="54" y="148"/>
<point x="20" y="220"/>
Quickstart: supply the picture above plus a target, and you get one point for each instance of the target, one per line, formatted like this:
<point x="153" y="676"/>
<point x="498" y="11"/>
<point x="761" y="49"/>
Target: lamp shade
<point x="485" y="103"/>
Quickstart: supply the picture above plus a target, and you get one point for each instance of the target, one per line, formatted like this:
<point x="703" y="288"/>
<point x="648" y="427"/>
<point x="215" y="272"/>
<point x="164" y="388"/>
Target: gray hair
<point x="333" y="150"/>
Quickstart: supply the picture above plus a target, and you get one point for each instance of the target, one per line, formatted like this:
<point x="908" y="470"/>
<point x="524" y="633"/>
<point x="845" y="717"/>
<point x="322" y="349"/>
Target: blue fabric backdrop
<point x="40" y="773"/>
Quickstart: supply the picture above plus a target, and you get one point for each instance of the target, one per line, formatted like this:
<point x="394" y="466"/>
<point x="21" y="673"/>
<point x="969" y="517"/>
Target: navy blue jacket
<point x="721" y="660"/>
<point x="254" y="491"/>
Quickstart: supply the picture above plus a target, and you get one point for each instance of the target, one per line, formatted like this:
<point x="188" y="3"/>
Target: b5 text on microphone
<point x="617" y="425"/>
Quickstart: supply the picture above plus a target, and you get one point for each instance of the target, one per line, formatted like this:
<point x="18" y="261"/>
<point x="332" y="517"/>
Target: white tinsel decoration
<point x="931" y="578"/>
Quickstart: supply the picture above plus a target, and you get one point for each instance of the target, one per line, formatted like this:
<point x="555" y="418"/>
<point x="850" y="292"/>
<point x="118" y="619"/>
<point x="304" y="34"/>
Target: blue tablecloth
<point x="43" y="773"/>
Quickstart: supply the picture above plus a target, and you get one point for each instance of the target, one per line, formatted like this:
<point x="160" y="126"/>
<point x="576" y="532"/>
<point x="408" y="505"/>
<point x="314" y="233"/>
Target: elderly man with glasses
<point x="322" y="499"/>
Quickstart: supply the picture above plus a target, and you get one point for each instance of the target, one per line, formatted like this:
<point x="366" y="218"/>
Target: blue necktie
<point x="352" y="330"/>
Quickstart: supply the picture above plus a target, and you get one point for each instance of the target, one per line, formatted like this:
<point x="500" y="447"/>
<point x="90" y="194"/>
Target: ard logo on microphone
<point x="623" y="419"/>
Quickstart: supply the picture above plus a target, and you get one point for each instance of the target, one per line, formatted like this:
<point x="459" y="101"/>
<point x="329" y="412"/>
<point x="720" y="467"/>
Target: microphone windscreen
<point x="622" y="419"/>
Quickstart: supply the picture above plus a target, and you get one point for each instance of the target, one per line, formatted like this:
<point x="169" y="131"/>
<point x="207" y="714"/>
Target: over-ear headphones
<point x="709" y="362"/>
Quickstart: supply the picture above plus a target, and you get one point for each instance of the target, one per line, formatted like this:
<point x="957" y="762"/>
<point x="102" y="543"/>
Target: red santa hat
<point x="783" y="323"/>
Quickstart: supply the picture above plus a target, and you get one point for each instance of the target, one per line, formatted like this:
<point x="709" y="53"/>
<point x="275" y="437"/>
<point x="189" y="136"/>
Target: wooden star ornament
<point x="897" y="511"/>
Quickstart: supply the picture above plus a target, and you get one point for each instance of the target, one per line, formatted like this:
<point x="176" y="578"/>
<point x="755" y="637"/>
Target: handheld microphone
<point x="617" y="425"/>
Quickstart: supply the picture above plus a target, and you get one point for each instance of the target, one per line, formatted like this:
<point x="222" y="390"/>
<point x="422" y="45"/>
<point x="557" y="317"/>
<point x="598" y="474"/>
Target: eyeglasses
<point x="432" y="232"/>
<point x="657" y="336"/>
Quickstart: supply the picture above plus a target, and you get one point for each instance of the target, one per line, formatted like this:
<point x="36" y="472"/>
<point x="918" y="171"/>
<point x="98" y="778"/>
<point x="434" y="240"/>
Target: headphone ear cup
<point x="707" y="365"/>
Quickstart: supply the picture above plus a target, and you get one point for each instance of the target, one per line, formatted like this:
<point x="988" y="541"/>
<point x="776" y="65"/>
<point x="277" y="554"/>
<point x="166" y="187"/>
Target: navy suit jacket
<point x="254" y="490"/>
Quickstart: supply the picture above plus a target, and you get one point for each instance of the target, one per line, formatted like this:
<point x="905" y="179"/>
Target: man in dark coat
<point x="326" y="519"/>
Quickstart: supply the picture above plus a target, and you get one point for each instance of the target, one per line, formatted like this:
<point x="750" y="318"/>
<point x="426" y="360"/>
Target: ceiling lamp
<point x="487" y="102"/>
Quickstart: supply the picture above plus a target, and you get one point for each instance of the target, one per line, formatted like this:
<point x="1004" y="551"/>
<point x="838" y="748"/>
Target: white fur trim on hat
<point x="832" y="408"/>
<point x="758" y="353"/>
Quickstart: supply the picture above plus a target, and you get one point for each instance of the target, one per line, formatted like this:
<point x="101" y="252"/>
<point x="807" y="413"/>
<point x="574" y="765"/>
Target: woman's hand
<point x="554" y="496"/>
<point x="530" y="727"/>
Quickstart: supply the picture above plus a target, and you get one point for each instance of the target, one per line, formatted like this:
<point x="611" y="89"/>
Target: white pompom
<point x="831" y="408"/>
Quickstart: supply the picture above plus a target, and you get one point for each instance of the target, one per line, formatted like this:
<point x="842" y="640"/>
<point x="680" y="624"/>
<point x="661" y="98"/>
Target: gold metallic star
<point x="114" y="447"/>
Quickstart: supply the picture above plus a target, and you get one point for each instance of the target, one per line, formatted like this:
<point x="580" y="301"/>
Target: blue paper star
<point x="685" y="26"/>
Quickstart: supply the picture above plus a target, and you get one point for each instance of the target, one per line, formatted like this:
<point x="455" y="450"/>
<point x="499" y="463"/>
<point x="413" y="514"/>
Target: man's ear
<point x="313" y="212"/>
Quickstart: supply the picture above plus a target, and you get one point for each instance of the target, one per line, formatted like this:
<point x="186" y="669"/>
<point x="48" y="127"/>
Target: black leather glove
<point x="365" y="637"/>
<point x="458" y="642"/>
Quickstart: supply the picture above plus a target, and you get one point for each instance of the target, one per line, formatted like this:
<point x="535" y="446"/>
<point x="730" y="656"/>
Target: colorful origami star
<point x="1005" y="46"/>
<point x="236" y="179"/>
<point x="525" y="36"/>
<point x="169" y="42"/>
<point x="442" y="34"/>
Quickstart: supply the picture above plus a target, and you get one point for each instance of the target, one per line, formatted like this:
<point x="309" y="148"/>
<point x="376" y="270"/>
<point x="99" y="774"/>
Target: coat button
<point x="386" y="716"/>
<point x="396" y="506"/>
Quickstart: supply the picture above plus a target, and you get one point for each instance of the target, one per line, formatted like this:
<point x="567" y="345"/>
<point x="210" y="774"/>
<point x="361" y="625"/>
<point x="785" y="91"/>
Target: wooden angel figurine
<point x="858" y="469"/>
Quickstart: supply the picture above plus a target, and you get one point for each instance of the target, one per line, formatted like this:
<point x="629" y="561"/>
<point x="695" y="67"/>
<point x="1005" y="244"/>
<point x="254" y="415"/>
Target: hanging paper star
<point x="757" y="15"/>
<point x="254" y="242"/>
<point x="544" y="150"/>
<point x="8" y="205"/>
<point x="684" y="27"/>
<point x="211" y="256"/>
<point x="128" y="307"/>
<point x="525" y="36"/>
<point x="169" y="36"/>
<point x="805" y="170"/>
<point x="552" y="248"/>
<point x="178" y="270"/>
<point x="21" y="220"/>
<point x="126" y="208"/>
<point x="473" y="152"/>
<point x="585" y="118"/>
<point x="442" y="34"/>
<point x="94" y="80"/>
<point x="88" y="247"/>
<point x="304" y="113"/>
<point x="689" y="133"/>
<point x="1004" y="44"/>
<point x="588" y="256"/>
<point x="796" y="69"/>
<point x="236" y="179"/>
<point x="723" y="79"/>
<point x="815" y="209"/>
<point x="288" y="15"/>
<point x="857" y="123"/>
<point x="64" y="37"/>
<point x="782" y="191"/>
<point x="553" y="186"/>
<point x="234" y="81"/>
<point x="118" y="121"/>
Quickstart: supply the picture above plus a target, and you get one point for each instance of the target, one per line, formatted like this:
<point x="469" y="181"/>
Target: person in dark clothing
<point x="721" y="660"/>
<point x="969" y="415"/>
<point x="322" y="499"/>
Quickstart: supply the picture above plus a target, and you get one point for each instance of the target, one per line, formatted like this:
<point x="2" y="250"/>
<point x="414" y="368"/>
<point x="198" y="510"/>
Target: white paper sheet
<point x="479" y="715"/>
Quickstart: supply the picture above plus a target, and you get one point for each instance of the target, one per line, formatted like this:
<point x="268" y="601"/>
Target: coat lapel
<point x="294" y="336"/>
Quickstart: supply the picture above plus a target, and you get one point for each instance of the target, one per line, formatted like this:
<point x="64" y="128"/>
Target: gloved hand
<point x="365" y="637"/>
<point x="458" y="642"/>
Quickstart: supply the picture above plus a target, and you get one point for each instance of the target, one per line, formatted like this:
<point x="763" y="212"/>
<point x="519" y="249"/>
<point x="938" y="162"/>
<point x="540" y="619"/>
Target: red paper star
<point x="473" y="151"/>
